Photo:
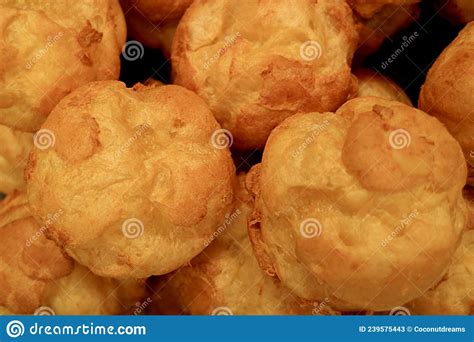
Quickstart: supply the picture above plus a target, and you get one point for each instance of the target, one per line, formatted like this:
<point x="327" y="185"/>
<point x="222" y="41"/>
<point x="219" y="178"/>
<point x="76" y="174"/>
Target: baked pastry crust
<point x="447" y="92"/>
<point x="152" y="22"/>
<point x="14" y="149"/>
<point x="49" y="48"/>
<point x="454" y="295"/>
<point x="35" y="273"/>
<point x="137" y="174"/>
<point x="371" y="83"/>
<point x="255" y="71"/>
<point x="226" y="279"/>
<point x="345" y="209"/>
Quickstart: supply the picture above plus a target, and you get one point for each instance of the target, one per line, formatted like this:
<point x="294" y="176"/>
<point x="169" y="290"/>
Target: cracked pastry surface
<point x="256" y="70"/>
<point x="49" y="48"/>
<point x="372" y="83"/>
<point x="36" y="274"/>
<point x="153" y="22"/>
<point x="137" y="174"/>
<point x="14" y="149"/>
<point x="454" y="295"/>
<point x="356" y="205"/>
<point x="226" y="278"/>
<point x="447" y="92"/>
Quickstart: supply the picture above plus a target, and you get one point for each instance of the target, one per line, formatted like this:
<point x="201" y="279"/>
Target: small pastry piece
<point x="456" y="11"/>
<point x="36" y="276"/>
<point x="140" y="175"/>
<point x="49" y="48"/>
<point x="256" y="70"/>
<point x="447" y="92"/>
<point x="226" y="278"/>
<point x="377" y="20"/>
<point x="355" y="206"/>
<point x="14" y="149"/>
<point x="153" y="22"/>
<point x="454" y="295"/>
<point x="372" y="83"/>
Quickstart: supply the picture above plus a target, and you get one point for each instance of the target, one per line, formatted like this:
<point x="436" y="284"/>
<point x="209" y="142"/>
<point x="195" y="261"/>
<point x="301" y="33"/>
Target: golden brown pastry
<point x="49" y="48"/>
<point x="226" y="278"/>
<point x="355" y="206"/>
<point x="447" y="92"/>
<point x="372" y="83"/>
<point x="456" y="11"/>
<point x="138" y="174"/>
<point x="377" y="20"/>
<point x="454" y="295"/>
<point x="36" y="276"/>
<point x="14" y="149"/>
<point x="255" y="71"/>
<point x="153" y="22"/>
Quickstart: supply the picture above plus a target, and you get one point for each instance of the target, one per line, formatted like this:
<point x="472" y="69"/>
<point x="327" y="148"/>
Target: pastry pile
<point x="152" y="198"/>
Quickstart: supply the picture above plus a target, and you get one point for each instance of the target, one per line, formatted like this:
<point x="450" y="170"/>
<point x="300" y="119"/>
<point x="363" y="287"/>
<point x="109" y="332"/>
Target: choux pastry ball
<point x="142" y="175"/>
<point x="49" y="48"/>
<point x="447" y="92"/>
<point x="37" y="277"/>
<point x="363" y="206"/>
<point x="255" y="71"/>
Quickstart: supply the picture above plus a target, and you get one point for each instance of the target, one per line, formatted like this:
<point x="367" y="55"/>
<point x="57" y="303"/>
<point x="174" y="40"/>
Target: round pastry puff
<point x="138" y="173"/>
<point x="49" y="48"/>
<point x="14" y="149"/>
<point x="363" y="206"/>
<point x="153" y="22"/>
<point x="372" y="83"/>
<point x="454" y="295"/>
<point x="448" y="92"/>
<point x="225" y="278"/>
<point x="36" y="276"/>
<point x="258" y="62"/>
